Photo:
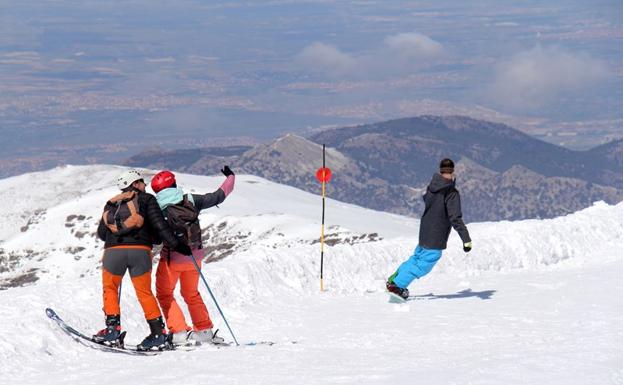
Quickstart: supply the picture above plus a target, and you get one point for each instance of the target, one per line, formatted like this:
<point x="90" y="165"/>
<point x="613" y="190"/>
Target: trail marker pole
<point x="324" y="176"/>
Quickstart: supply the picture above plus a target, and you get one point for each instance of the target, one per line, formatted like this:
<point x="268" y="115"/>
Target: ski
<point x="226" y="345"/>
<point x="258" y="343"/>
<point x="88" y="341"/>
<point x="233" y="344"/>
<point x="242" y="345"/>
<point x="247" y="344"/>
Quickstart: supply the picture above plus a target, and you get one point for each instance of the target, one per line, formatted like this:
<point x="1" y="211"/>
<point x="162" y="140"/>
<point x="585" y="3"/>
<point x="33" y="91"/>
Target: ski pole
<point x="213" y="298"/>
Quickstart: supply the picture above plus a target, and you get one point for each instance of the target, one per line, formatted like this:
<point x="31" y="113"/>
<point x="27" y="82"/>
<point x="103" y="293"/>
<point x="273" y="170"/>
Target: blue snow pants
<point x="418" y="265"/>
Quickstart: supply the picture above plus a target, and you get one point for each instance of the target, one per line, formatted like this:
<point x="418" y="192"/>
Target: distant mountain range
<point x="502" y="173"/>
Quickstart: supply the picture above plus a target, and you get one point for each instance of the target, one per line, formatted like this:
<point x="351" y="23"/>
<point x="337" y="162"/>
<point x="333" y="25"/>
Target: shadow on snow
<point x="467" y="293"/>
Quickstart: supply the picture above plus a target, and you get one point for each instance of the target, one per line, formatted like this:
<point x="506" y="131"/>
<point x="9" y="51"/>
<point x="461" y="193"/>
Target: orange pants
<point x="136" y="259"/>
<point x="167" y="276"/>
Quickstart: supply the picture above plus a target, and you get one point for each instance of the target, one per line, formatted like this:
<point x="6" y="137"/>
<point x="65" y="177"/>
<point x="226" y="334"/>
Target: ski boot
<point x="206" y="336"/>
<point x="112" y="334"/>
<point x="158" y="339"/>
<point x="179" y="338"/>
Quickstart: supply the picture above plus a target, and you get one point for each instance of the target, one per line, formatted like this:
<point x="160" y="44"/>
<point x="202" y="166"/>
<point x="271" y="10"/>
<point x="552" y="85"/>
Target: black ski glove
<point x="183" y="248"/>
<point x="227" y="171"/>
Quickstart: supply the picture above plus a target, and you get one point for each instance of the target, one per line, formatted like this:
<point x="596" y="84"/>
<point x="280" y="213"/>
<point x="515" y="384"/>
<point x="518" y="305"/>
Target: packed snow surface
<point x="535" y="302"/>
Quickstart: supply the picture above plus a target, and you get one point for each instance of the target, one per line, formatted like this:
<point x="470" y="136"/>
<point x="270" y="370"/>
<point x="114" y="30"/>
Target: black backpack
<point x="183" y="219"/>
<point x="121" y="214"/>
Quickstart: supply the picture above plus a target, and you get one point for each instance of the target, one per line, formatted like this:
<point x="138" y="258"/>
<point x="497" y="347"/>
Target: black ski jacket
<point x="442" y="211"/>
<point x="208" y="200"/>
<point x="153" y="231"/>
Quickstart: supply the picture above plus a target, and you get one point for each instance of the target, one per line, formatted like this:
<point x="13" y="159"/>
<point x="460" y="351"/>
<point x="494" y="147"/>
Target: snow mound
<point x="263" y="240"/>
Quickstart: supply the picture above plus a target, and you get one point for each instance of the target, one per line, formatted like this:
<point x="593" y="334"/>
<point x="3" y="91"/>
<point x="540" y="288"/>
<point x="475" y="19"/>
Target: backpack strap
<point x="123" y="197"/>
<point x="189" y="199"/>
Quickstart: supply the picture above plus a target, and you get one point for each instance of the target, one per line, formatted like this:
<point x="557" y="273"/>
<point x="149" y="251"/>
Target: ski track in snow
<point x="535" y="302"/>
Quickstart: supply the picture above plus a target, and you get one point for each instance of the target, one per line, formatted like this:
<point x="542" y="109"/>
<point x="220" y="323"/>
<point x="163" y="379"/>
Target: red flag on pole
<point x="323" y="174"/>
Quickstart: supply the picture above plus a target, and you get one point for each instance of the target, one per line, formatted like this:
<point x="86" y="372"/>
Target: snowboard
<point x="395" y="298"/>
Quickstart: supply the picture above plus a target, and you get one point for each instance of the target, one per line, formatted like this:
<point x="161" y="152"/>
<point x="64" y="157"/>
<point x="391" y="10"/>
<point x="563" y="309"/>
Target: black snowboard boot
<point x="157" y="340"/>
<point x="111" y="335"/>
<point x="397" y="291"/>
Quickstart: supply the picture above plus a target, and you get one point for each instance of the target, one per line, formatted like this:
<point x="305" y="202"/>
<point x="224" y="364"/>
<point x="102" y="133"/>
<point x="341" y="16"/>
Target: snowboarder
<point x="182" y="211"/>
<point x="442" y="210"/>
<point x="131" y="223"/>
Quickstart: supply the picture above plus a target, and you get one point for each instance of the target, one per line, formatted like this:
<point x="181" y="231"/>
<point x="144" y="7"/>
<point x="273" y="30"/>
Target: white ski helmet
<point x="127" y="178"/>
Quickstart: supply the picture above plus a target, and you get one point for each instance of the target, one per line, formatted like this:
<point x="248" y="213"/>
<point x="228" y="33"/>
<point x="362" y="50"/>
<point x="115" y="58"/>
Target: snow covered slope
<point x="527" y="305"/>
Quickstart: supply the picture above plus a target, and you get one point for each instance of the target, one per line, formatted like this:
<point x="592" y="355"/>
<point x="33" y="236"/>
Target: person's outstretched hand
<point x="227" y="171"/>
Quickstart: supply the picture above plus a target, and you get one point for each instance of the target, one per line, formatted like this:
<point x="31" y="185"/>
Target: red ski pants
<point x="167" y="276"/>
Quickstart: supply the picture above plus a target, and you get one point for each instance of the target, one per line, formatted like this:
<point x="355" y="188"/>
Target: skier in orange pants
<point x="130" y="223"/>
<point x="181" y="212"/>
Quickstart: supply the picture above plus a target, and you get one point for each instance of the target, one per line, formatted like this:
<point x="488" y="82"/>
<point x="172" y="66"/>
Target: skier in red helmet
<point x="181" y="212"/>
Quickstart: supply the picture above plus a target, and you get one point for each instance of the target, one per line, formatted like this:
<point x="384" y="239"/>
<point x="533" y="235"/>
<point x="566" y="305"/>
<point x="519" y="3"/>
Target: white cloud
<point x="414" y="45"/>
<point x="327" y="59"/>
<point x="537" y="77"/>
<point x="400" y="54"/>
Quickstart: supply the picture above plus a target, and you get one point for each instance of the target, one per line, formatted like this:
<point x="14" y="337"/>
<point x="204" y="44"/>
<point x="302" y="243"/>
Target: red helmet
<point x="163" y="179"/>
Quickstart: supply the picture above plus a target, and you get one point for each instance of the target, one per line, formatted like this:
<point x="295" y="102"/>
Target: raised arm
<point x="217" y="197"/>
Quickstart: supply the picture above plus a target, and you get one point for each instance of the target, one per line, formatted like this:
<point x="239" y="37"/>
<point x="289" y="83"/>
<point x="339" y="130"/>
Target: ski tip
<point x="49" y="312"/>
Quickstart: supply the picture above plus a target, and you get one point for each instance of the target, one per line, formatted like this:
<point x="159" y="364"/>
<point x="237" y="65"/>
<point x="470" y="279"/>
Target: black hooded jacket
<point x="443" y="210"/>
<point x="153" y="231"/>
